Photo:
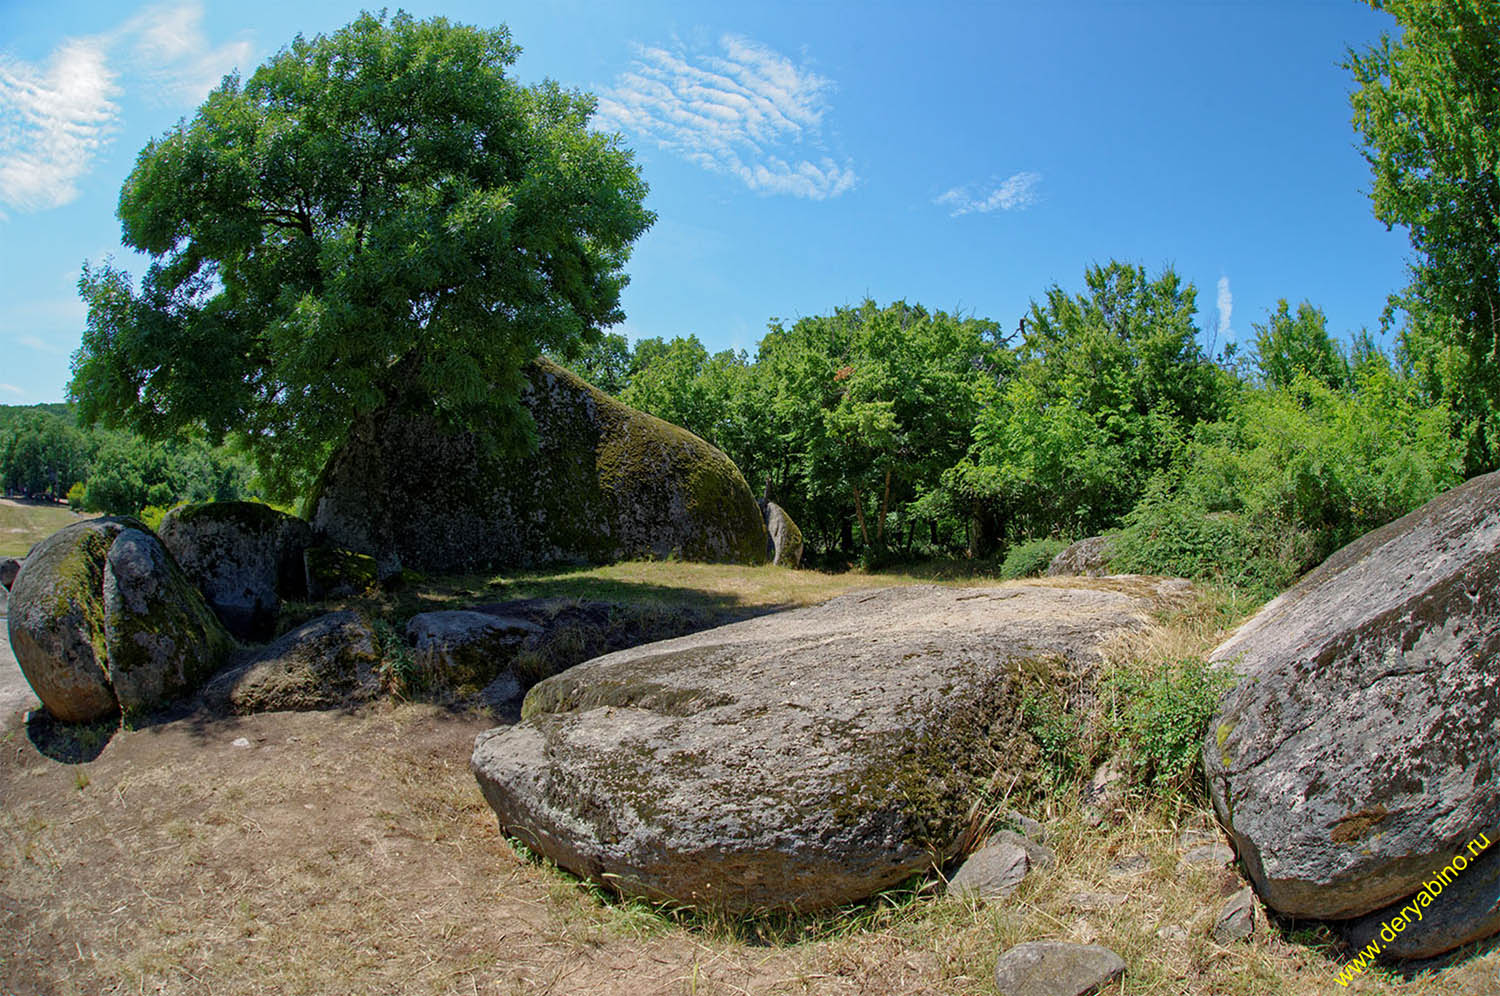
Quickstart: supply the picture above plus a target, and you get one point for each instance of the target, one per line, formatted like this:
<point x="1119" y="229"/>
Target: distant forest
<point x="45" y="453"/>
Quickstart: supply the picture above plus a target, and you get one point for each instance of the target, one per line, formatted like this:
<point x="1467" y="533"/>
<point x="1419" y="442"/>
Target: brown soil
<point x="339" y="852"/>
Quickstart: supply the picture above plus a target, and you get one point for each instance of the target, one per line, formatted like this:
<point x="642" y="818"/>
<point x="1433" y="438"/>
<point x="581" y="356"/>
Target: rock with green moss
<point x="101" y="618"/>
<point x="465" y="649"/>
<point x="333" y="572"/>
<point x="792" y="761"/>
<point x="243" y="556"/>
<point x="606" y="483"/>
<point x="783" y="538"/>
<point x="325" y="663"/>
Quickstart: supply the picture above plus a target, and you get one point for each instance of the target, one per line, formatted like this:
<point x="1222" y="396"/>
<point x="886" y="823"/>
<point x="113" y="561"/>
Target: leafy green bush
<point x="1059" y="736"/>
<point x="1176" y="535"/>
<point x="1160" y="717"/>
<point x="1027" y="560"/>
<point x="75" y="497"/>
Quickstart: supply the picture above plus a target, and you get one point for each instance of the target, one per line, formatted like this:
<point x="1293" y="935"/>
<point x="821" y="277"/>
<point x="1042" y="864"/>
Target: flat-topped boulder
<point x="1358" y="753"/>
<point x="606" y="483"/>
<point x="797" y="760"/>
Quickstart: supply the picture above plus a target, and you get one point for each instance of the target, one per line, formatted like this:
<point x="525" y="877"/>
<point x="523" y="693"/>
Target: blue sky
<point x="800" y="156"/>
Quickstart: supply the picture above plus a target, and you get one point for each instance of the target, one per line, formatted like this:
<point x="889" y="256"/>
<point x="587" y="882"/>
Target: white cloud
<point x="749" y="113"/>
<point x="1015" y="193"/>
<point x="52" y="123"/>
<point x="54" y="120"/>
<point x="1225" y="305"/>
<point x="41" y="346"/>
<point x="11" y="389"/>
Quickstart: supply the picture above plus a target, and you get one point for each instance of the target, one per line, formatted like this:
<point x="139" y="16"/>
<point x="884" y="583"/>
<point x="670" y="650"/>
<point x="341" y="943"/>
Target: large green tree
<point x="375" y="215"/>
<point x="1427" y="105"/>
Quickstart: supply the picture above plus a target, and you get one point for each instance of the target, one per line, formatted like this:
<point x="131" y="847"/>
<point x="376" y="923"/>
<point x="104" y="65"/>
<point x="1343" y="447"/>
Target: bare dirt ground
<point x="336" y="853"/>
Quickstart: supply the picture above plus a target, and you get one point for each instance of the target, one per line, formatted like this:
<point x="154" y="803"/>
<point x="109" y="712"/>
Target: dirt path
<point x="15" y="694"/>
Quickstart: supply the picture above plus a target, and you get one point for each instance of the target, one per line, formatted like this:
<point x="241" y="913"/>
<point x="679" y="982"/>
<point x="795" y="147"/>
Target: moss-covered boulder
<point x="783" y="538"/>
<point x="244" y="556"/>
<point x="606" y="483"/>
<point x="102" y="618"/>
<point x="330" y="661"/>
<point x="792" y="761"/>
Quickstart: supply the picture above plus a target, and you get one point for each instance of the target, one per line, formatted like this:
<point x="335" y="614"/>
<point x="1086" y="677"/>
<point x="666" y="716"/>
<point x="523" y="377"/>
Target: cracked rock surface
<point x="1358" y="751"/>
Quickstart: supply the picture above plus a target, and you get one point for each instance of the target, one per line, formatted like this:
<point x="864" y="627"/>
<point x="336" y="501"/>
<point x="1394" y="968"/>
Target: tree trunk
<point x="859" y="510"/>
<point x="885" y="504"/>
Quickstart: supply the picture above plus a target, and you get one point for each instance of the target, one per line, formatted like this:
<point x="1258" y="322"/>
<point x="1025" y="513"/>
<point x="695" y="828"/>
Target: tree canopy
<point x="1428" y="108"/>
<point x="375" y="214"/>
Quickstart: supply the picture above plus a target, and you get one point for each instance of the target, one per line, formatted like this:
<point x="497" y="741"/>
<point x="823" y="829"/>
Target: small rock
<point x="1053" y="968"/>
<point x="240" y="742"/>
<point x="1128" y="865"/>
<point x="1204" y="856"/>
<point x="327" y="662"/>
<point x="9" y="568"/>
<point x="1193" y="838"/>
<point x="1236" y="919"/>
<point x="1172" y="932"/>
<point x="1096" y="902"/>
<point x="1041" y="855"/>
<point x="993" y="871"/>
<point x="1027" y="826"/>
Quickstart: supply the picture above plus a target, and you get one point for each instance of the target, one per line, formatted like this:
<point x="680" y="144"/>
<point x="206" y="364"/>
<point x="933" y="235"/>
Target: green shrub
<point x="1175" y="535"/>
<point x="399" y="674"/>
<point x="152" y="515"/>
<point x="1161" y="716"/>
<point x="75" y="497"/>
<point x="1029" y="559"/>
<point x="1059" y="736"/>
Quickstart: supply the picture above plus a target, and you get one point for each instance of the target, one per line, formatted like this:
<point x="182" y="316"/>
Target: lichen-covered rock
<point x="101" y="618"/>
<point x="330" y="661"/>
<point x="243" y="556"/>
<point x="465" y="648"/>
<point x="791" y="761"/>
<point x="1464" y="910"/>
<point x="1056" y="968"/>
<point x="1358" y="752"/>
<point x="1088" y="558"/>
<point x="606" y="483"/>
<point x="783" y="538"/>
<point x="161" y="638"/>
<point x="333" y="572"/>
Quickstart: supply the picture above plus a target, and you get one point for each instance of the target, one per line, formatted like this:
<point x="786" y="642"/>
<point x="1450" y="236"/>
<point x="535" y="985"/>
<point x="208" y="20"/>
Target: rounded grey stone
<point x="1056" y="968"/>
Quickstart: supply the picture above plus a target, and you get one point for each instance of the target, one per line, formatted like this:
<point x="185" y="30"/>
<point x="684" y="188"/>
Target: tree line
<point x="896" y="431"/>
<point x="46" y="454"/>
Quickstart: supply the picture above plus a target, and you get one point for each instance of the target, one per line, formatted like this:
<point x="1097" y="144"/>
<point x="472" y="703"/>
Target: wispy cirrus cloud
<point x="56" y="117"/>
<point x="1225" y="305"/>
<point x="747" y="111"/>
<point x="11" y="389"/>
<point x="1015" y="193"/>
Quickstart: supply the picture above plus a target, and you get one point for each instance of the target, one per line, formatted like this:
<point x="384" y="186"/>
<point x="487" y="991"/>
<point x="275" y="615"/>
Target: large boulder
<point x="606" y="483"/>
<point x="330" y="661"/>
<point x="244" y="556"/>
<point x="792" y="761"/>
<point x="101" y="618"/>
<point x="1357" y="754"/>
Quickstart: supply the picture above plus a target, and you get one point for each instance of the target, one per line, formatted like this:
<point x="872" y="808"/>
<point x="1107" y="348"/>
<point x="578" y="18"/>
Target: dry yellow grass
<point x="352" y="853"/>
